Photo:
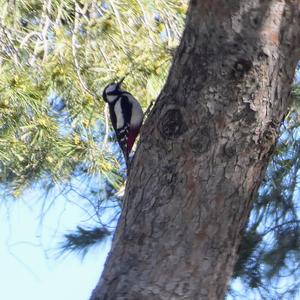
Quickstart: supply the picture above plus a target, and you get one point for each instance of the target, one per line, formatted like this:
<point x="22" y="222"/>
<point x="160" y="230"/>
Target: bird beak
<point x="120" y="82"/>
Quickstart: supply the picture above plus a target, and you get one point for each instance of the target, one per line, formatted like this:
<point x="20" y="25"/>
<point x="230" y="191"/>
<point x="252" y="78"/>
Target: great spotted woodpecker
<point x="126" y="116"/>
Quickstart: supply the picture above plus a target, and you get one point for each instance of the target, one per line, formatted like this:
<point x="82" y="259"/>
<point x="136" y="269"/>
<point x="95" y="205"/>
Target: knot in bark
<point x="172" y="124"/>
<point x="201" y="141"/>
<point x="241" y="67"/>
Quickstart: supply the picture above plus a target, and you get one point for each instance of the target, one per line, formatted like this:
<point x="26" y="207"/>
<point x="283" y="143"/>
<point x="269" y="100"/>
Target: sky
<point x="30" y="267"/>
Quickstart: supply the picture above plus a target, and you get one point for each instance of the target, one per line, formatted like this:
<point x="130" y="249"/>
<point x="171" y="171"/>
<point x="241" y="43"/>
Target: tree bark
<point x="203" y="152"/>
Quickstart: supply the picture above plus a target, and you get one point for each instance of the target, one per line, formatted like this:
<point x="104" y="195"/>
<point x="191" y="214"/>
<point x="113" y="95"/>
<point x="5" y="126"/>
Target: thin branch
<point x="9" y="39"/>
<point x="106" y="126"/>
<point x="74" y="52"/>
<point x="104" y="55"/>
<point x="46" y="13"/>
<point x="147" y="25"/>
<point x="27" y="37"/>
<point x="116" y="12"/>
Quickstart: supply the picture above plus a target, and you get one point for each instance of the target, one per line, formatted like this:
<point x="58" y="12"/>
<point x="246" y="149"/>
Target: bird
<point x="126" y="116"/>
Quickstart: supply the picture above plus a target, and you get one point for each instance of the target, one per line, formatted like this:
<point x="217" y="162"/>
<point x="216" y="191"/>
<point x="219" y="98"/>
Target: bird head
<point x="112" y="91"/>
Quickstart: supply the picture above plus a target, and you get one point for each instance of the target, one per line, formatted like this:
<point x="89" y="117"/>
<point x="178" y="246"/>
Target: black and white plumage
<point x="126" y="116"/>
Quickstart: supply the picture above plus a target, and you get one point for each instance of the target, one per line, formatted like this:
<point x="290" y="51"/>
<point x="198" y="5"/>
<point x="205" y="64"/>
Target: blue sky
<point x="30" y="268"/>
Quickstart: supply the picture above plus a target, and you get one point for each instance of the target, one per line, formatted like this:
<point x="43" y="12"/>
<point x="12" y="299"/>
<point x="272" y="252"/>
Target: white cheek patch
<point x="119" y="115"/>
<point x="111" y="98"/>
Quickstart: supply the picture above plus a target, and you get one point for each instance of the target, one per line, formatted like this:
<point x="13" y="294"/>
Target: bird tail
<point x="127" y="159"/>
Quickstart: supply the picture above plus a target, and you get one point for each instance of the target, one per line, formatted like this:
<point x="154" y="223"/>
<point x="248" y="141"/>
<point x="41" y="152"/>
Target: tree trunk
<point x="203" y="152"/>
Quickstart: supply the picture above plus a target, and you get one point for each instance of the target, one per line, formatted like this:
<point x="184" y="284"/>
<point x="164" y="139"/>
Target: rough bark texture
<point x="203" y="152"/>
